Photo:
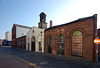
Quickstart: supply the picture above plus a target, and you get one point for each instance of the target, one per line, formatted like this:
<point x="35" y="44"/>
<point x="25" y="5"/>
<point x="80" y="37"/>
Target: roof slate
<point x="23" y="26"/>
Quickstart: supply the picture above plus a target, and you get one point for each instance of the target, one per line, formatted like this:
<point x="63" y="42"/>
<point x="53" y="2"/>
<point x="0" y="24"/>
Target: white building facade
<point x="35" y="37"/>
<point x="21" y="31"/>
<point x="8" y="36"/>
<point x="35" y="40"/>
<point x="18" y="31"/>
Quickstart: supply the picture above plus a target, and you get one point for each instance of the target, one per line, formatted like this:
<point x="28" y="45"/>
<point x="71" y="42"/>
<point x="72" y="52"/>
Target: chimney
<point x="50" y="23"/>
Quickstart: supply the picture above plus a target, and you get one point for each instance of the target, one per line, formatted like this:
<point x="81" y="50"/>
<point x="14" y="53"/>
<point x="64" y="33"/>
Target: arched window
<point x="77" y="43"/>
<point x="60" y="44"/>
<point x="49" y="44"/>
<point x="33" y="39"/>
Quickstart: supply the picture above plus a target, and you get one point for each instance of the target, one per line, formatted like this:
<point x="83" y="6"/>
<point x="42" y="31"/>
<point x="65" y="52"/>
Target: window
<point x="33" y="39"/>
<point x="77" y="33"/>
<point x="42" y="18"/>
<point x="33" y="31"/>
<point x="22" y="34"/>
<point x="77" y="43"/>
<point x="60" y="44"/>
<point x="22" y="43"/>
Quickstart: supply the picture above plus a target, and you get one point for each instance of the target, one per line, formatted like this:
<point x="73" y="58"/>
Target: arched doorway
<point x="60" y="44"/>
<point x="77" y="43"/>
<point x="49" y="44"/>
<point x="33" y="43"/>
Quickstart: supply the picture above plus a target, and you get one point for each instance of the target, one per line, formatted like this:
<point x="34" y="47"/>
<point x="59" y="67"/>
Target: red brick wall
<point x="99" y="44"/>
<point x="86" y="27"/>
<point x="19" y="42"/>
<point x="99" y="49"/>
<point x="14" y="36"/>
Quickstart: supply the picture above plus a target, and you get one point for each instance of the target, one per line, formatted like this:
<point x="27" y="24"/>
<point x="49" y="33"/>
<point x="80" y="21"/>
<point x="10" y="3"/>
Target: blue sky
<point x="26" y="12"/>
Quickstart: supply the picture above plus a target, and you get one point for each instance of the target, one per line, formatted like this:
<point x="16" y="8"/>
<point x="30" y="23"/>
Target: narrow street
<point x="19" y="58"/>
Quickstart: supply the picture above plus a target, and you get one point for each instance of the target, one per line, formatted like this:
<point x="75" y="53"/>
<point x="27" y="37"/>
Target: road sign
<point x="97" y="41"/>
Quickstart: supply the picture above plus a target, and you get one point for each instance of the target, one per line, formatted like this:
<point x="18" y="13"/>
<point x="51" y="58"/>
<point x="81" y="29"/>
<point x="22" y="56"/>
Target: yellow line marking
<point x="29" y="63"/>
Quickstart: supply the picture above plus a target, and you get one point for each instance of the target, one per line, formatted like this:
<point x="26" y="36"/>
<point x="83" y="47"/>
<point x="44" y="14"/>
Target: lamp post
<point x="97" y="41"/>
<point x="41" y="42"/>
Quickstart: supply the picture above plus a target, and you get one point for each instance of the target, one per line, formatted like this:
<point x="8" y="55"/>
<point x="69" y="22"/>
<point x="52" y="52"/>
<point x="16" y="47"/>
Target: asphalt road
<point x="20" y="58"/>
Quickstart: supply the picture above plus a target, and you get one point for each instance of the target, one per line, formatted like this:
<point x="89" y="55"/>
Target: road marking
<point x="29" y="63"/>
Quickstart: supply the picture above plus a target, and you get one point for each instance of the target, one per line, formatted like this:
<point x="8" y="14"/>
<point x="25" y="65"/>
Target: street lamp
<point x="41" y="41"/>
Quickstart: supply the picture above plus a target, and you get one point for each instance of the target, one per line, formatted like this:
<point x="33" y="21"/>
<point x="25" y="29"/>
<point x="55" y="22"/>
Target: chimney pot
<point x="50" y="23"/>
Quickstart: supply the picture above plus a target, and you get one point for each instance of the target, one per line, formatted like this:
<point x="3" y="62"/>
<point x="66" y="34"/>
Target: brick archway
<point x="76" y="42"/>
<point x="57" y="46"/>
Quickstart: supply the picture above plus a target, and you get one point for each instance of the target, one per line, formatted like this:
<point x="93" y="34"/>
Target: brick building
<point x="21" y="42"/>
<point x="99" y="44"/>
<point x="18" y="32"/>
<point x="73" y="39"/>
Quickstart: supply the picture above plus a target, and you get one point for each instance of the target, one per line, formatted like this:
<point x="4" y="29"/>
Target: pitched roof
<point x="22" y="26"/>
<point x="80" y="19"/>
<point x="21" y="37"/>
<point x="42" y="13"/>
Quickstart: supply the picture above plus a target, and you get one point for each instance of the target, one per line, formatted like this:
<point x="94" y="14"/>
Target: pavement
<point x="76" y="60"/>
<point x="21" y="58"/>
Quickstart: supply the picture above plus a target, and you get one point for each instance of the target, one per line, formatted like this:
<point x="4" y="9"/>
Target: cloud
<point x="80" y="9"/>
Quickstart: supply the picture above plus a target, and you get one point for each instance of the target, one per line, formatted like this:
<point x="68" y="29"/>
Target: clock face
<point x="44" y="25"/>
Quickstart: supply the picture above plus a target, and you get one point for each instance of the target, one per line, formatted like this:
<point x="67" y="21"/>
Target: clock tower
<point x="42" y="24"/>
